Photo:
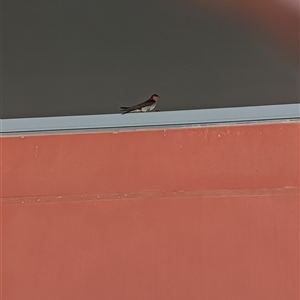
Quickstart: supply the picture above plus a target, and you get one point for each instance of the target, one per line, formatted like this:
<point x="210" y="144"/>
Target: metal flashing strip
<point x="163" y="118"/>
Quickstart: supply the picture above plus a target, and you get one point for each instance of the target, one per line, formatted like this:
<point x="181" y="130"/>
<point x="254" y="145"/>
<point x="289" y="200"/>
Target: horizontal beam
<point x="164" y="118"/>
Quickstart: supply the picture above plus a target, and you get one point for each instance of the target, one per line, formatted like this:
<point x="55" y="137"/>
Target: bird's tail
<point x="125" y="109"/>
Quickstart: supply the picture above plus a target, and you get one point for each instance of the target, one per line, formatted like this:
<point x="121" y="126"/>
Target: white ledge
<point x="163" y="118"/>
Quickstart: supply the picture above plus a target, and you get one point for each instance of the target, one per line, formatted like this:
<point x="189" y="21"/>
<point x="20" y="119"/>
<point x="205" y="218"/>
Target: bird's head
<point x="155" y="97"/>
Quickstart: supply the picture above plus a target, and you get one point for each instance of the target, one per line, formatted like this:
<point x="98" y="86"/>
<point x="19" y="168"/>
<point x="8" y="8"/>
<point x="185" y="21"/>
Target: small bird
<point x="141" y="107"/>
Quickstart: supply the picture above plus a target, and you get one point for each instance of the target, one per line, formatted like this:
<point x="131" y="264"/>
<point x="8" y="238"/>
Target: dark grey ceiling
<point x="78" y="57"/>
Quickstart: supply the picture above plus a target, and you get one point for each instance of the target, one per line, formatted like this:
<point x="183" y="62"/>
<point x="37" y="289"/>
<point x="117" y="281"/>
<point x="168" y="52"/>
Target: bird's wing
<point x="143" y="104"/>
<point x="138" y="106"/>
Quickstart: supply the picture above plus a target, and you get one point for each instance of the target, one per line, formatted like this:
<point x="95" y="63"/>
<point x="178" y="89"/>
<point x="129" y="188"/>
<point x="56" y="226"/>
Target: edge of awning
<point x="152" y="119"/>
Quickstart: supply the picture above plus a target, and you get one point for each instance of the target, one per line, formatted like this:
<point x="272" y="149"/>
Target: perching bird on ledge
<point x="145" y="106"/>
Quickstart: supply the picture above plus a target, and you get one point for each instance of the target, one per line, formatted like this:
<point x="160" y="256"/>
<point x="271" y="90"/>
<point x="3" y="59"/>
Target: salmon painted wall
<point x="195" y="213"/>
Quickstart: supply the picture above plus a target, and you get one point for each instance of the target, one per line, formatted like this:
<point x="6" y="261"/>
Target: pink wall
<point x="198" y="213"/>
